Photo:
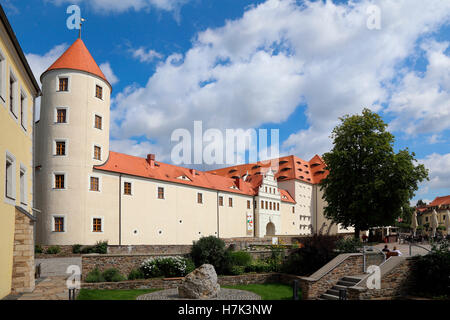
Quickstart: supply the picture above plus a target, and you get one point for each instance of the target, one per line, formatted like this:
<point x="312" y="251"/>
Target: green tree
<point x="368" y="183"/>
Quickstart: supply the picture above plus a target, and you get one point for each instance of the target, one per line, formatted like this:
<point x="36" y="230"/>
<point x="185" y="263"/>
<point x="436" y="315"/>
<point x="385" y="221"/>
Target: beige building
<point x="18" y="90"/>
<point x="89" y="193"/>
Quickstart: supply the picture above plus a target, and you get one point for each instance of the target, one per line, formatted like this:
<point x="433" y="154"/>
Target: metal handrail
<point x="411" y="244"/>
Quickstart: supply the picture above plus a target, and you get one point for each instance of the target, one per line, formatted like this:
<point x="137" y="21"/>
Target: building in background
<point x="18" y="91"/>
<point x="440" y="204"/>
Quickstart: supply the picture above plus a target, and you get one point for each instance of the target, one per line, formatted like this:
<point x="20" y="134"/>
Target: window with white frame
<point x="13" y="94"/>
<point x="58" y="224"/>
<point x="10" y="185"/>
<point x="23" y="110"/>
<point x="2" y="77"/>
<point x="23" y="186"/>
<point x="97" y="224"/>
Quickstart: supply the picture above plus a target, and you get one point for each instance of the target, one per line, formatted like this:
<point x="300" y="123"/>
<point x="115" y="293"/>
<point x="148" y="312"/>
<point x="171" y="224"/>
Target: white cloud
<point x="439" y="167"/>
<point x="145" y="56"/>
<point x="108" y="72"/>
<point x="259" y="68"/>
<point x="40" y="63"/>
<point x="118" y="6"/>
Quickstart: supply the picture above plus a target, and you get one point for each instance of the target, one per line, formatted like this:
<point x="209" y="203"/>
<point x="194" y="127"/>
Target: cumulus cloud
<point x="145" y="55"/>
<point x="40" y="63"/>
<point x="278" y="56"/>
<point x="109" y="73"/>
<point x="439" y="166"/>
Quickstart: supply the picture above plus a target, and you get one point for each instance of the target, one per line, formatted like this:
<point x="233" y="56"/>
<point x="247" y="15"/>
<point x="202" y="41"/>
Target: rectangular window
<point x="262" y="204"/>
<point x="293" y="209"/>
<point x="97" y="153"/>
<point x="160" y="193"/>
<point x="199" y="198"/>
<point x="97" y="225"/>
<point x="270" y="205"/>
<point x="60" y="148"/>
<point x="59" y="224"/>
<point x="248" y="204"/>
<point x="278" y="206"/>
<point x="63" y="84"/>
<point x="12" y="96"/>
<point x="61" y="116"/>
<point x="99" y="92"/>
<point x="9" y="179"/>
<point x="221" y="201"/>
<point x="127" y="188"/>
<point x="230" y="202"/>
<point x="94" y="184"/>
<point x="22" y="188"/>
<point x="59" y="181"/>
<point x="98" y="122"/>
<point x="22" y="112"/>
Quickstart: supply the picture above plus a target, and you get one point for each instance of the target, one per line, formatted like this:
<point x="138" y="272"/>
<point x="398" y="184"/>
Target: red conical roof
<point x="78" y="57"/>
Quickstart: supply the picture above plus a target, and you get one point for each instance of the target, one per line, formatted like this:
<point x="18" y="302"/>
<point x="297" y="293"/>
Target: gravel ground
<point x="224" y="294"/>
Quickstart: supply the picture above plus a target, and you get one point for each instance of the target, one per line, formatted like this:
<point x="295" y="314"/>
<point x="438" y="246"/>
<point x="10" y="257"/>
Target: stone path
<point x="48" y="288"/>
<point x="224" y="294"/>
<point x="57" y="266"/>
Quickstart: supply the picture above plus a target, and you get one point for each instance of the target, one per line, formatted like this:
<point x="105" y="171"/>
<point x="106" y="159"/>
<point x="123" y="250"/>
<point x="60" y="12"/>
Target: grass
<point x="88" y="294"/>
<point x="268" y="291"/>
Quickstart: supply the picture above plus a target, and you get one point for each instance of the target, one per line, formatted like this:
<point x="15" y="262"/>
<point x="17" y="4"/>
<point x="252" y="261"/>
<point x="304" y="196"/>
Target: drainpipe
<point x="120" y="209"/>
<point x="218" y="225"/>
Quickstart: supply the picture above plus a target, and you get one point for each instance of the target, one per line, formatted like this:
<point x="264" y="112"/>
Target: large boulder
<point x="200" y="284"/>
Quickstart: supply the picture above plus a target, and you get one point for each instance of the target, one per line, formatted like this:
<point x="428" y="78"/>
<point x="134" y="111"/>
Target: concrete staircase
<point x="343" y="283"/>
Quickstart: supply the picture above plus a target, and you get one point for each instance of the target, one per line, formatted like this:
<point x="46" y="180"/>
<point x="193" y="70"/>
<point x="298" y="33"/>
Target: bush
<point x="136" y="274"/>
<point x="259" y="267"/>
<point x="112" y="275"/>
<point x="76" y="248"/>
<point x="349" y="245"/>
<point x="431" y="273"/>
<point x="53" y="250"/>
<point x="166" y="267"/>
<point x="240" y="258"/>
<point x="315" y="252"/>
<point x="236" y="270"/>
<point x="211" y="250"/>
<point x="38" y="249"/>
<point x="94" y="276"/>
<point x="100" y="247"/>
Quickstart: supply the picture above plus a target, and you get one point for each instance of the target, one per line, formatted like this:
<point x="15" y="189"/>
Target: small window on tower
<point x="59" y="224"/>
<point x="61" y="116"/>
<point x="97" y="153"/>
<point x="63" y="84"/>
<point x="127" y="188"/>
<point x="94" y="184"/>
<point x="60" y="148"/>
<point x="99" y="92"/>
<point x="59" y="181"/>
<point x="98" y="122"/>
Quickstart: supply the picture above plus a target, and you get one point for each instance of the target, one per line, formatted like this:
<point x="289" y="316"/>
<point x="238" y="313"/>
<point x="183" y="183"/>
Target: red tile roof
<point x="290" y="167"/>
<point x="140" y="167"/>
<point x="77" y="57"/>
<point x="440" y="201"/>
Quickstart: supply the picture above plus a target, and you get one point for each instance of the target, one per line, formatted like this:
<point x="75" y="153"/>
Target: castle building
<point x="18" y="90"/>
<point x="87" y="193"/>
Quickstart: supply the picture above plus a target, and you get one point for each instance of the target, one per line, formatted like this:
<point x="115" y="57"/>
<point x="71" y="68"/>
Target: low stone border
<point x="224" y="294"/>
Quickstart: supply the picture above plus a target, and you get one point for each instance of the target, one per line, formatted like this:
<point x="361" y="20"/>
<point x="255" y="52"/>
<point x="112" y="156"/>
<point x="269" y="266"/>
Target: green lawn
<point x="87" y="294"/>
<point x="268" y="291"/>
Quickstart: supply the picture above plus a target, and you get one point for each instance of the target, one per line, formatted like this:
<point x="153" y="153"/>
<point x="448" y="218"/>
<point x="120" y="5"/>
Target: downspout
<point x="218" y="225"/>
<point x="120" y="209"/>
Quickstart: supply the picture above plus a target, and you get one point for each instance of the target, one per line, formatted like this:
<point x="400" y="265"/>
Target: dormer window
<point x="283" y="162"/>
<point x="285" y="169"/>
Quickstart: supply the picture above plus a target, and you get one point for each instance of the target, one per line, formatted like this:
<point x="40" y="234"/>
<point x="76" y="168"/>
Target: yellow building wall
<point x="18" y="142"/>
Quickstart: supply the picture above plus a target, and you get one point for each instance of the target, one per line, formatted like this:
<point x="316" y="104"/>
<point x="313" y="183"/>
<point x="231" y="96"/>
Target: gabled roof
<point x="289" y="167"/>
<point x="140" y="167"/>
<point x="78" y="57"/>
<point x="439" y="201"/>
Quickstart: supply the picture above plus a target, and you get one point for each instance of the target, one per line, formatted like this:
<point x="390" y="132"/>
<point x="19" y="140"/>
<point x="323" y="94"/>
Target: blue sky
<point x="291" y="65"/>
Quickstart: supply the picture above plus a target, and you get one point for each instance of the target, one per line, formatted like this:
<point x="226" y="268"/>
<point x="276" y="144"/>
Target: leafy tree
<point x="420" y="203"/>
<point x="368" y="183"/>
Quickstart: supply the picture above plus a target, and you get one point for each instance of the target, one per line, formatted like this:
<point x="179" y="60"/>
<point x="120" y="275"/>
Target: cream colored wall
<point x="289" y="220"/>
<point x="18" y="142"/>
<point x="178" y="216"/>
<point x="233" y="221"/>
<point x="75" y="203"/>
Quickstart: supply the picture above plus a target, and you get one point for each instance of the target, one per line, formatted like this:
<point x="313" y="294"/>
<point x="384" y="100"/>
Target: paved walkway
<point x="57" y="266"/>
<point x="404" y="248"/>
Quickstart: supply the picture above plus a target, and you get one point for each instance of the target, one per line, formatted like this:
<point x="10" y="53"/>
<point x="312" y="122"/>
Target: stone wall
<point x="23" y="255"/>
<point x="150" y="249"/>
<point x="312" y="288"/>
<point x="395" y="283"/>
<point x="122" y="262"/>
<point x="167" y="283"/>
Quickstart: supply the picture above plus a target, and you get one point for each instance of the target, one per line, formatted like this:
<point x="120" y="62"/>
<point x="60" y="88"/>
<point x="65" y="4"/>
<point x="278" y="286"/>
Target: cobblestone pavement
<point x="57" y="266"/>
<point x="49" y="288"/>
<point x="224" y="294"/>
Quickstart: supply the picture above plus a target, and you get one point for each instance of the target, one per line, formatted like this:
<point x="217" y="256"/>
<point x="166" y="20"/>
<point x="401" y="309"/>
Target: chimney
<point x="151" y="160"/>
<point x="193" y="172"/>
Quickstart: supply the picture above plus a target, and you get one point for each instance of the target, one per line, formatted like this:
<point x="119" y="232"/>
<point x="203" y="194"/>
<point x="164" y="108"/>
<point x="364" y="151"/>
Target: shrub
<point x="94" y="276"/>
<point x="101" y="247"/>
<point x="315" y="252"/>
<point x="53" y="250"/>
<point x="76" y="248"/>
<point x="136" y="274"/>
<point x="241" y="258"/>
<point x="211" y="250"/>
<point x="38" y="249"/>
<point x="431" y="273"/>
<point x="166" y="267"/>
<point x="349" y="245"/>
<point x="112" y="275"/>
<point x="236" y="270"/>
<point x="258" y="267"/>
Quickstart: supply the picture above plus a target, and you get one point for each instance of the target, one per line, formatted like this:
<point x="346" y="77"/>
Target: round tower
<point x="72" y="136"/>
